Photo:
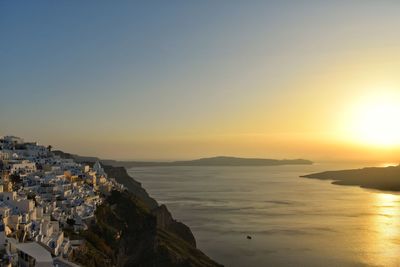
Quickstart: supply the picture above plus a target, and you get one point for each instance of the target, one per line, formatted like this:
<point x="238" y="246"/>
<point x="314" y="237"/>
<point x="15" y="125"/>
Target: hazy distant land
<point x="213" y="161"/>
<point x="219" y="161"/>
<point x="385" y="178"/>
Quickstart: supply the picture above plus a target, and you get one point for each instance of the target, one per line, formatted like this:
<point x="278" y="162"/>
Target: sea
<point x="269" y="216"/>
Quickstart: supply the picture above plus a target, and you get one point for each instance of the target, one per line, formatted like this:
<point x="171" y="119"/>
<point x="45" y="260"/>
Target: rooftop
<point x="36" y="251"/>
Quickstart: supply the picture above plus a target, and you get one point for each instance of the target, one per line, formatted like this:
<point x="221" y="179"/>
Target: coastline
<point x="164" y="241"/>
<point x="378" y="178"/>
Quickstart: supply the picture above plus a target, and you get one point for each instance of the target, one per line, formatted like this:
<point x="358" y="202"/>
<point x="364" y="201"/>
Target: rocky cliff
<point x="164" y="218"/>
<point x="121" y="176"/>
<point x="166" y="222"/>
<point x="126" y="233"/>
<point x="131" y="229"/>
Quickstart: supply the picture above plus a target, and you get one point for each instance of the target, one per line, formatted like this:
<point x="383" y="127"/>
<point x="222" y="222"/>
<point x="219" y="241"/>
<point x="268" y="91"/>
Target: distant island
<point x="212" y="161"/>
<point x="217" y="161"/>
<point x="385" y="178"/>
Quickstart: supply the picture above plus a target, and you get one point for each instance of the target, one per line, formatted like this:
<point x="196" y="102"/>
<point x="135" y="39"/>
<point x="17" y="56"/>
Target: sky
<point x="187" y="79"/>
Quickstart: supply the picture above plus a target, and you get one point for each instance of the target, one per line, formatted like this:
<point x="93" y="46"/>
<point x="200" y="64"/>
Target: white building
<point x="99" y="169"/>
<point x="33" y="254"/>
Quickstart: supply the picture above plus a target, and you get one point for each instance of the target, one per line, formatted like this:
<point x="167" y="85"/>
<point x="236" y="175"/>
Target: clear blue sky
<point x="160" y="79"/>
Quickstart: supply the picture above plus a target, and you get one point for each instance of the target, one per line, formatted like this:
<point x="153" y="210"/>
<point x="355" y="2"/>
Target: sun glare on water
<point x="376" y="120"/>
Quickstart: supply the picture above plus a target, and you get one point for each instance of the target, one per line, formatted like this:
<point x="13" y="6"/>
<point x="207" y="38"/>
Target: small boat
<point x="248" y="237"/>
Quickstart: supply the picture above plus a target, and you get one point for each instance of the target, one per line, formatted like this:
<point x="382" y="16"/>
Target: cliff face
<point x="164" y="218"/>
<point x="166" y="222"/>
<point x="131" y="229"/>
<point x="126" y="233"/>
<point x="121" y="176"/>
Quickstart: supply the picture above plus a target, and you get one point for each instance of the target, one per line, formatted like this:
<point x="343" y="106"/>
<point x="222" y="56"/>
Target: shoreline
<point x="376" y="178"/>
<point x="174" y="241"/>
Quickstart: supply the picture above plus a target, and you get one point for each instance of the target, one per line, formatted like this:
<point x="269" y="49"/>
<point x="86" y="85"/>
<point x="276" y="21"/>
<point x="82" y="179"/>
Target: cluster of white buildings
<point x="43" y="197"/>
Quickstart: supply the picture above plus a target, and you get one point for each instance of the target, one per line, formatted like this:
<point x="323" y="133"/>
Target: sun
<point x="376" y="121"/>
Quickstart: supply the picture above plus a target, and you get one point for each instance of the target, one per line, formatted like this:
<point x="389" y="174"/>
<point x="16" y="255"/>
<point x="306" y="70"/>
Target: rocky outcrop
<point x="131" y="229"/>
<point x="126" y="233"/>
<point x="121" y="176"/>
<point x="164" y="219"/>
<point x="166" y="222"/>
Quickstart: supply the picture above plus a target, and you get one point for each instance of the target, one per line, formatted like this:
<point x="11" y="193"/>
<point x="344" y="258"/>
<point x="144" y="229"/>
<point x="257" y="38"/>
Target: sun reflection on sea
<point x="384" y="239"/>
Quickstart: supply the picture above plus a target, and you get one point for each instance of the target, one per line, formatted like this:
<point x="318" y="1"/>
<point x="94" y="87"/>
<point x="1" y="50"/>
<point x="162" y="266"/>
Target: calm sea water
<point x="293" y="221"/>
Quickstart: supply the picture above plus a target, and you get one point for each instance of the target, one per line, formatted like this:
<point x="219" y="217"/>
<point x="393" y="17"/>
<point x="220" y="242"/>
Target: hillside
<point x="126" y="233"/>
<point x="376" y="178"/>
<point x="131" y="229"/>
